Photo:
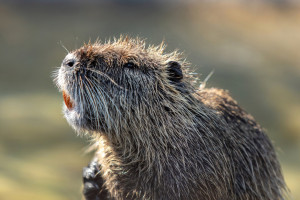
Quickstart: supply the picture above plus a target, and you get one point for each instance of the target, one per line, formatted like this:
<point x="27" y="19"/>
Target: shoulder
<point x="217" y="99"/>
<point x="221" y="101"/>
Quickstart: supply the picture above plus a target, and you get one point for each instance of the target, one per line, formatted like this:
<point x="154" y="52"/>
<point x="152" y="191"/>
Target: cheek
<point x="137" y="79"/>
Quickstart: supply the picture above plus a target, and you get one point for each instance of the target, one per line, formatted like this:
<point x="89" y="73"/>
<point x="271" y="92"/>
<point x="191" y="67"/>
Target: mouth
<point x="68" y="101"/>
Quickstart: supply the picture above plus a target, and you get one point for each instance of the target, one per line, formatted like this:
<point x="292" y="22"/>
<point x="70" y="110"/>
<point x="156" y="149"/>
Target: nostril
<point x="70" y="63"/>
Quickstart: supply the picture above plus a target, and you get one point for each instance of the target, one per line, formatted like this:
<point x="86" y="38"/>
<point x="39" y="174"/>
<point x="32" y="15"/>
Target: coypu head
<point x="115" y="85"/>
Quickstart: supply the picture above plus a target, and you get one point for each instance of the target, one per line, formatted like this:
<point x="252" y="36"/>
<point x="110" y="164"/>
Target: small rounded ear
<point x="174" y="71"/>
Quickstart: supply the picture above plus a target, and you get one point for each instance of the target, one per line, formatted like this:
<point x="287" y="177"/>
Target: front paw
<point x="93" y="183"/>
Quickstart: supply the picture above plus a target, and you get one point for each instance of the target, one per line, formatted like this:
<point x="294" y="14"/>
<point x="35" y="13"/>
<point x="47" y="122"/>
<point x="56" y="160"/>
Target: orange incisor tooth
<point x="68" y="100"/>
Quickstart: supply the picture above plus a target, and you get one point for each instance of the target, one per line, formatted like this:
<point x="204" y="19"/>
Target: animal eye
<point x="129" y="65"/>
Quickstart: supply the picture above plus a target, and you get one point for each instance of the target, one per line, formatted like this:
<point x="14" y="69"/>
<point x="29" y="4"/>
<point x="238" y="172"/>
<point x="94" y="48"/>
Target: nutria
<point x="158" y="136"/>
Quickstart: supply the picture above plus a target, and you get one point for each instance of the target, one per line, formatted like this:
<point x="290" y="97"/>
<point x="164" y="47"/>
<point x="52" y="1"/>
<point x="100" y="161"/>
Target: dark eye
<point x="129" y="65"/>
<point x="70" y="63"/>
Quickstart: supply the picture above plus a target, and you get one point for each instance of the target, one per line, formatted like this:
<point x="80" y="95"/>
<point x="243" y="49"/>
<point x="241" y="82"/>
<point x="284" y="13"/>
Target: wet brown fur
<point x="162" y="139"/>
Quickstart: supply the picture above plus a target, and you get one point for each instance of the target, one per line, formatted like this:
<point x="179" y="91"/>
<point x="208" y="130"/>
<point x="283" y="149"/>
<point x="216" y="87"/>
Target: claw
<point x="93" y="182"/>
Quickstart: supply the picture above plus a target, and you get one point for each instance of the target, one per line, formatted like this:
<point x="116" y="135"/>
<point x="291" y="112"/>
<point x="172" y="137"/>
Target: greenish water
<point x="254" y="50"/>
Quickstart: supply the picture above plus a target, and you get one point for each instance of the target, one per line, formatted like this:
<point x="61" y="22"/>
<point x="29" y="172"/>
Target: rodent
<point x="158" y="136"/>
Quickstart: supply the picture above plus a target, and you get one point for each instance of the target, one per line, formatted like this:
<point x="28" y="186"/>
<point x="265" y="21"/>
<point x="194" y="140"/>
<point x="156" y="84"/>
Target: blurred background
<point x="253" y="46"/>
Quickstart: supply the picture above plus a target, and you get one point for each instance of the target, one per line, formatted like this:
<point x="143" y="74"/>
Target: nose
<point x="70" y="63"/>
<point x="70" y="60"/>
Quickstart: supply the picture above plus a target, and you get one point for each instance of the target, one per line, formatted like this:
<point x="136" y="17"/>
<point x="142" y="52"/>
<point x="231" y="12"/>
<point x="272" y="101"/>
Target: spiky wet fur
<point x="160" y="139"/>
